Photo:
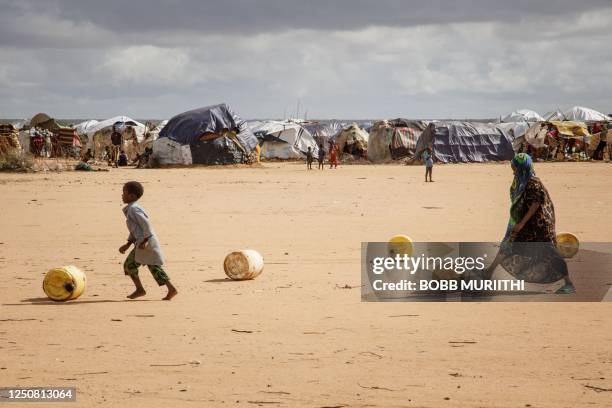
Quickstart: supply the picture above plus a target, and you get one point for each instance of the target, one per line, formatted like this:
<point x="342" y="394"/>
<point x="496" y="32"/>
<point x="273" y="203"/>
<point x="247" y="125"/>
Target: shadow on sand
<point x="46" y="301"/>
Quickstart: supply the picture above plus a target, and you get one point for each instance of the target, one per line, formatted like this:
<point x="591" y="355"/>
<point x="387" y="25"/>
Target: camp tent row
<point x="217" y="135"/>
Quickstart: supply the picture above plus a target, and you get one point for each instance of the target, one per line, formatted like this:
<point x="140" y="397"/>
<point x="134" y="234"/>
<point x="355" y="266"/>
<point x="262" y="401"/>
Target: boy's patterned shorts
<point x="130" y="267"/>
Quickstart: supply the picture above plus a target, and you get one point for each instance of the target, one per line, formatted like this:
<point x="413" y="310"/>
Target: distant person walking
<point x="333" y="156"/>
<point x="428" y="160"/>
<point x="309" y="158"/>
<point x="116" y="142"/>
<point x="321" y="156"/>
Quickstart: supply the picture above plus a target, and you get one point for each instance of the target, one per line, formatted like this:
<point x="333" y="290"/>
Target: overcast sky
<point x="353" y="59"/>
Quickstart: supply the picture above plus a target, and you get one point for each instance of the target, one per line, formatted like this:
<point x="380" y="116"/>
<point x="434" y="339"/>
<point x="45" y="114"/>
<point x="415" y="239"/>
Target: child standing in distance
<point x="428" y="159"/>
<point x="146" y="246"/>
<point x="321" y="156"/>
<point x="309" y="158"/>
<point x="333" y="156"/>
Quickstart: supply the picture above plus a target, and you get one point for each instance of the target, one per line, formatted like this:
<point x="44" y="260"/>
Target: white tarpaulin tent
<point x="522" y="115"/>
<point x="516" y="130"/>
<point x="83" y="127"/>
<point x="578" y="114"/>
<point x="581" y="114"/>
<point x="122" y="121"/>
<point x="284" y="140"/>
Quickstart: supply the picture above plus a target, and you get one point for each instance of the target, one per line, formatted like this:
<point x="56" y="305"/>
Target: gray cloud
<point x="340" y="58"/>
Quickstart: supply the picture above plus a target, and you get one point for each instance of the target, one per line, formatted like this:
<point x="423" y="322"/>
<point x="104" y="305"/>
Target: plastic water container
<point x="65" y="283"/>
<point x="243" y="265"/>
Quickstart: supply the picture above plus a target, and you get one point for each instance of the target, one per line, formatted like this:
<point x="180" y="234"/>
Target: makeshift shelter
<point x="84" y="127"/>
<point x="522" y="115"/>
<point x="582" y="114"/>
<point x="579" y="114"/>
<point x="516" y="131"/>
<point x="9" y="138"/>
<point x="324" y="132"/>
<point x="98" y="135"/>
<point x="454" y="141"/>
<point x="44" y="121"/>
<point x="67" y="142"/>
<point x="543" y="139"/>
<point x="283" y="140"/>
<point x="214" y="134"/>
<point x="393" y="139"/>
<point x="353" y="140"/>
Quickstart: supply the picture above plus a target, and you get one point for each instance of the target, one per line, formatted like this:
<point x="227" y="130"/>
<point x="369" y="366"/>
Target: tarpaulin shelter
<point x="119" y="122"/>
<point x="454" y="141"/>
<point x="353" y="140"/>
<point x="214" y="134"/>
<point x="98" y="135"/>
<point x="516" y="131"/>
<point x="582" y="114"/>
<point x="283" y="140"/>
<point x="577" y="113"/>
<point x="549" y="133"/>
<point x="522" y="115"/>
<point x="83" y="127"/>
<point x="44" y="121"/>
<point x="68" y="142"/>
<point x="393" y="139"/>
<point x="323" y="132"/>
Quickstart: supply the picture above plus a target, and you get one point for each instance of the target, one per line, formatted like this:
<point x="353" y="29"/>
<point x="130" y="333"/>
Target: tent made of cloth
<point x="353" y="140"/>
<point x="83" y="127"/>
<point x="68" y="137"/>
<point x="393" y="139"/>
<point x="120" y="123"/>
<point x="454" y="141"/>
<point x="516" y="131"/>
<point x="206" y="124"/>
<point x="582" y="114"/>
<point x="44" y="121"/>
<point x="522" y="115"/>
<point x="284" y="140"/>
<point x="540" y="135"/>
<point x="577" y="113"/>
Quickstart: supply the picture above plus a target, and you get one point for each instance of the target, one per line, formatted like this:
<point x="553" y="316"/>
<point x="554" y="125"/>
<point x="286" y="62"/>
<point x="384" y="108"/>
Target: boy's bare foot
<point x="137" y="293"/>
<point x="171" y="293"/>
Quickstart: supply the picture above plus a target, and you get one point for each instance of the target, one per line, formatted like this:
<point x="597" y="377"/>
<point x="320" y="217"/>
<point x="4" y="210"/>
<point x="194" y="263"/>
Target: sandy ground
<point x="310" y="342"/>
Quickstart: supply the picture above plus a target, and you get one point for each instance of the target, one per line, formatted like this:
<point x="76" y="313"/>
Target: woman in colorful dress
<point x="333" y="156"/>
<point x="529" y="248"/>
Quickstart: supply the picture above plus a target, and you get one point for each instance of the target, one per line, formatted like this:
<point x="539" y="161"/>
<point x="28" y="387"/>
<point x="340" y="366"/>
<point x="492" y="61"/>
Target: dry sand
<point x="309" y="342"/>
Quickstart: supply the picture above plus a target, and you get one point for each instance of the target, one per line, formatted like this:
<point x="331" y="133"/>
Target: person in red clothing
<point x="333" y="156"/>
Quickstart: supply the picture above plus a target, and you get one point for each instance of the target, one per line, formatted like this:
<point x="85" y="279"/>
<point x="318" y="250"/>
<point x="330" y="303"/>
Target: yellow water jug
<point x="65" y="283"/>
<point x="400" y="245"/>
<point x="567" y="244"/>
<point x="242" y="265"/>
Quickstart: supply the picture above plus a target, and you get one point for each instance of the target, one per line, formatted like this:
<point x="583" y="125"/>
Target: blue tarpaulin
<point x="453" y="142"/>
<point x="187" y="127"/>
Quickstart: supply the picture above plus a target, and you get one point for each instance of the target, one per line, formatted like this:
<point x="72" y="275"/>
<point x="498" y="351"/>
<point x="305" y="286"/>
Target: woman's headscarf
<point x="523" y="166"/>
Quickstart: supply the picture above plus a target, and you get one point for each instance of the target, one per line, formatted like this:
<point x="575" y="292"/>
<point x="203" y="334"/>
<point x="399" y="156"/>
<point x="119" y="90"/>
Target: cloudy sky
<point x="340" y="58"/>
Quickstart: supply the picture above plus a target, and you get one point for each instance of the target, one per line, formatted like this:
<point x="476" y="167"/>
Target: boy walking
<point x="146" y="246"/>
